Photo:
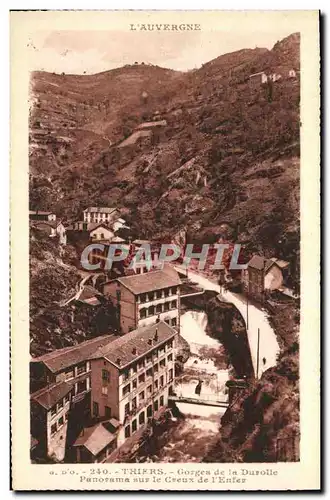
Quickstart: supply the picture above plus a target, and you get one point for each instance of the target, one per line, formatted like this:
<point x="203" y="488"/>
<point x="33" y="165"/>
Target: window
<point x="66" y="416"/>
<point x="149" y="411"/>
<point x="166" y="306"/>
<point x="170" y="357"/>
<point x="156" y="368"/>
<point x="142" y="378"/>
<point x="53" y="411"/>
<point x="125" y="375"/>
<point x="159" y="294"/>
<point x="151" y="311"/>
<point x="134" y="368"/>
<point x="126" y="409"/>
<point x="161" y="401"/>
<point x="167" y="321"/>
<point x="141" y="418"/>
<point x="60" y="405"/>
<point x="69" y="374"/>
<point x="174" y="304"/>
<point x="174" y="290"/>
<point x="138" y="270"/>
<point x="170" y="373"/>
<point x="159" y="308"/>
<point x="161" y="381"/>
<point x="174" y="322"/>
<point x="134" y="383"/>
<point x="60" y="421"/>
<point x="149" y="372"/>
<point x="156" y="385"/>
<point x="170" y="344"/>
<point x="53" y="428"/>
<point x="149" y="359"/>
<point x="141" y="396"/>
<point x="134" y="426"/>
<point x="143" y="313"/>
<point x="105" y="376"/>
<point x="82" y="386"/>
<point x="141" y="364"/>
<point x="104" y="390"/>
<point x="162" y="363"/>
<point x="127" y="431"/>
<point x="126" y="389"/>
<point x="166" y="292"/>
<point x="134" y="404"/>
<point x="142" y="298"/>
<point x="107" y="412"/>
<point x="150" y="297"/>
<point x="95" y="409"/>
<point x="66" y="399"/>
<point x="156" y="405"/>
<point x="81" y="368"/>
<point x="149" y="389"/>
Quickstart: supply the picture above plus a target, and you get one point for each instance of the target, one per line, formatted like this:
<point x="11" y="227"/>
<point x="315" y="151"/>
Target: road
<point x="268" y="346"/>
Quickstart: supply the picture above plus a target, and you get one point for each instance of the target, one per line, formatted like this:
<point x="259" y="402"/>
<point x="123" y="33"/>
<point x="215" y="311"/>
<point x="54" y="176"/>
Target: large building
<point x="100" y="214"/>
<point x="133" y="376"/>
<point x="144" y="299"/>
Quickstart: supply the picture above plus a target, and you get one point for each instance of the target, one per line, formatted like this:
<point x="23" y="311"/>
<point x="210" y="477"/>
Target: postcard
<point x="165" y="249"/>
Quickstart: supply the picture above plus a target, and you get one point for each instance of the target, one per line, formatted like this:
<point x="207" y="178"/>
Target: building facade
<point x="42" y="215"/>
<point x="133" y="377"/>
<point x="264" y="275"/>
<point x="100" y="214"/>
<point x="144" y="299"/>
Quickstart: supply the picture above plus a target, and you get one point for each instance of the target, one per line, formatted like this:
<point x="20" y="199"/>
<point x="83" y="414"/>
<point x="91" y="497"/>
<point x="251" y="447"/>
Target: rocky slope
<point x="229" y="151"/>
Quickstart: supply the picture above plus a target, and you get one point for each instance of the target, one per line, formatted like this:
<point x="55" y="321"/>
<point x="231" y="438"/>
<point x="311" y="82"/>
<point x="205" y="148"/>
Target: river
<point x="197" y="426"/>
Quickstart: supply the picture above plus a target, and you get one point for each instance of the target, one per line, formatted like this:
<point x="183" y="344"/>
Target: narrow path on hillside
<point x="81" y="286"/>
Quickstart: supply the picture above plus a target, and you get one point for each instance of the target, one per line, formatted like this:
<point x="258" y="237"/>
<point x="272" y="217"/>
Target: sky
<point x="91" y="52"/>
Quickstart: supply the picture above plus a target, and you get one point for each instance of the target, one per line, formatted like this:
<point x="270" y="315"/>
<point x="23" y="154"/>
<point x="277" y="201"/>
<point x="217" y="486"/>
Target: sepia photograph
<point x="165" y="282"/>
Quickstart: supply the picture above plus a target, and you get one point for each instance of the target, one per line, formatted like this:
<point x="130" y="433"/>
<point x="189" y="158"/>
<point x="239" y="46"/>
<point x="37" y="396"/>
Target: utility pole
<point x="258" y="346"/>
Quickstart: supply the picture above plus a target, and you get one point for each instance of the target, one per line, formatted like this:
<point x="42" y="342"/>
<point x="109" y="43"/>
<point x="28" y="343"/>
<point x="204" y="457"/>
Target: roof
<point x="137" y="341"/>
<point x="261" y="263"/>
<point x="61" y="359"/>
<point x="117" y="239"/>
<point x="257" y="74"/>
<point x="141" y="242"/>
<point x="53" y="224"/>
<point x="149" y="282"/>
<point x="94" y="225"/>
<point x="48" y="396"/>
<point x="95" y="438"/>
<point x="40" y="212"/>
<point x="102" y="210"/>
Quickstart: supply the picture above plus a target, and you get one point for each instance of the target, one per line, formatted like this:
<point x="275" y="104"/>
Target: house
<point x="52" y="228"/>
<point x="100" y="231"/>
<point x="264" y="275"/>
<point x="61" y="385"/>
<point x="49" y="418"/>
<point x="292" y="73"/>
<point x="96" y="443"/>
<point x="99" y="214"/>
<point x="146" y="298"/>
<point x="42" y="215"/>
<point x="257" y="78"/>
<point x="133" y="376"/>
<point x="119" y="224"/>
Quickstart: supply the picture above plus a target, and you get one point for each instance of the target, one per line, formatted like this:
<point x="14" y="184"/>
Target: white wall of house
<point x="101" y="233"/>
<point x="273" y="278"/>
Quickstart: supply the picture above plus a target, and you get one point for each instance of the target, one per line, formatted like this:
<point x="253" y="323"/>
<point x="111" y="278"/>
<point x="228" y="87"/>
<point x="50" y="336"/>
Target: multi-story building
<point x="68" y="368"/>
<point x="133" y="376"/>
<point x="264" y="275"/>
<point x="145" y="299"/>
<point x="100" y="214"/>
<point x="50" y="408"/>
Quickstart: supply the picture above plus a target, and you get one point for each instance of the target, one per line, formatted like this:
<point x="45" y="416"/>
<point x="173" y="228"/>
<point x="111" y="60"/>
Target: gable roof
<point x="69" y="356"/>
<point x="48" y="396"/>
<point x="137" y="341"/>
<point x="149" y="282"/>
<point x="102" y="210"/>
<point x="94" y="225"/>
<point x="94" y="438"/>
<point x="40" y="212"/>
<point x="261" y="263"/>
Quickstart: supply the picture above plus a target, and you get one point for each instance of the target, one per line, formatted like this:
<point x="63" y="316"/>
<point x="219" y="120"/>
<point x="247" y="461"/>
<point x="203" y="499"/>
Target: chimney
<point x="134" y="351"/>
<point x="118" y="361"/>
<point x="150" y="341"/>
<point x="156" y="335"/>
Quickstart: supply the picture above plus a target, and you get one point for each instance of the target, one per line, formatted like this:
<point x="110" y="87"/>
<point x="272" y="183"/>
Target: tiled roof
<point x="48" y="396"/>
<point x="95" y="438"/>
<point x="40" y="212"/>
<point x="69" y="356"/>
<point x="94" y="225"/>
<point x="102" y="210"/>
<point x="149" y="282"/>
<point x="261" y="263"/>
<point x="131" y="346"/>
